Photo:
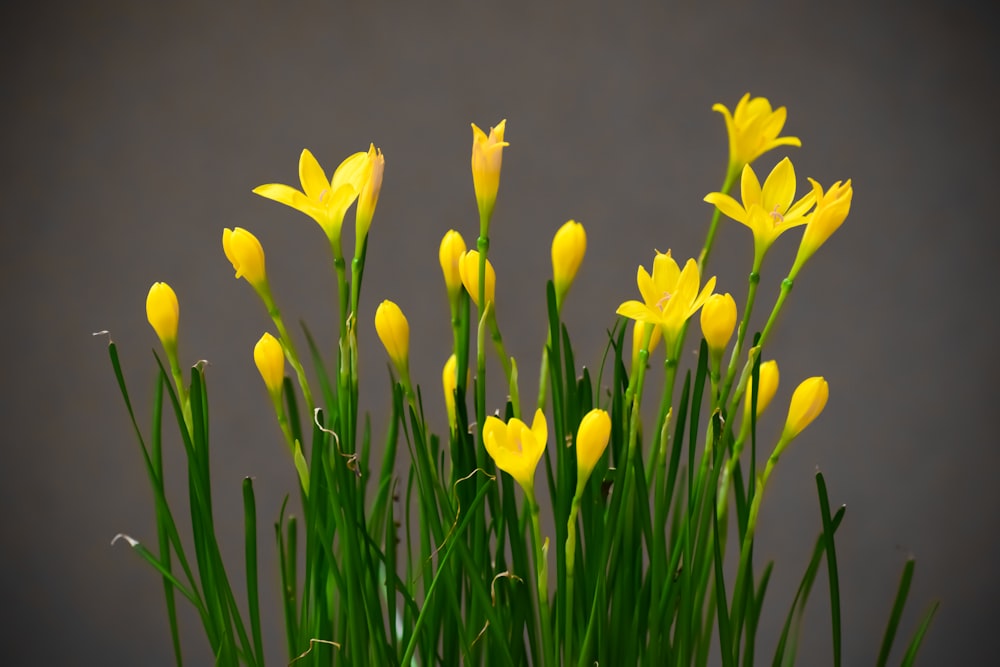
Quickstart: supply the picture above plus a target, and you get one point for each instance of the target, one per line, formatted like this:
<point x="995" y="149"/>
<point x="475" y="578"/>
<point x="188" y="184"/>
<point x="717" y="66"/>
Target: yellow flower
<point x="162" y="311"/>
<point x="368" y="198"/>
<point x="670" y="296"/>
<point x="767" y="211"/>
<point x="469" y="270"/>
<point x="487" y="154"/>
<point x="767" y="385"/>
<point x="638" y="330"/>
<point x="449" y="381"/>
<point x="450" y="255"/>
<point x="394" y="332"/>
<point x="591" y="441"/>
<point x="753" y="129"/>
<point x="247" y="256"/>
<point x="270" y="359"/>
<point x="325" y="201"/>
<point x="516" y="448"/>
<point x="718" y="319"/>
<point x="807" y="402"/>
<point x="568" y="248"/>
<point x="831" y="211"/>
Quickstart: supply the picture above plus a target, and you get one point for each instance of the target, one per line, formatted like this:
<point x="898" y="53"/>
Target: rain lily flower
<point x="487" y="155"/>
<point x="394" y="332"/>
<point x="269" y="357"/>
<point x="591" y="440"/>
<point x="568" y="248"/>
<point x="767" y="385"/>
<point x="807" y="403"/>
<point x="768" y="211"/>
<point x="449" y="381"/>
<point x="832" y="208"/>
<point x="325" y="201"/>
<point x="450" y="255"/>
<point x="718" y="319"/>
<point x="516" y="448"/>
<point x="163" y="312"/>
<point x="469" y="270"/>
<point x="246" y="255"/>
<point x="753" y="129"/>
<point x="670" y="296"/>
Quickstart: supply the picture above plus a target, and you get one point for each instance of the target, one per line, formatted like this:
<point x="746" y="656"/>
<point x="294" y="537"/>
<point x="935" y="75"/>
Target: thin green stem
<point x="727" y="185"/>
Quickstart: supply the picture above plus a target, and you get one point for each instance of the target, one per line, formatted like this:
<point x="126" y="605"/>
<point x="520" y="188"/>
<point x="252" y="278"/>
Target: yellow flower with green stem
<point x="753" y="128"/>
<point x="832" y="208"/>
<point x="487" y="157"/>
<point x="516" y="448"/>
<point x="670" y="296"/>
<point x="769" y="210"/>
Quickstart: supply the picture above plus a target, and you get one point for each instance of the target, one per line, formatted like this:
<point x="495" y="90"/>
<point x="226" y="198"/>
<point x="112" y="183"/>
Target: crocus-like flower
<point x="832" y="208"/>
<point x="368" y="198"/>
<point x="807" y="402"/>
<point x="394" y="332"/>
<point x="449" y="381"/>
<point x="163" y="312"/>
<point x="638" y="331"/>
<point x="247" y="256"/>
<point x="487" y="154"/>
<point x="325" y="201"/>
<point x="767" y="211"/>
<point x="591" y="441"/>
<point x="270" y="359"/>
<point x="516" y="448"/>
<point x="753" y="129"/>
<point x="670" y="296"/>
<point x="568" y="248"/>
<point x="767" y="385"/>
<point x="450" y="255"/>
<point x="718" y="319"/>
<point x="469" y="270"/>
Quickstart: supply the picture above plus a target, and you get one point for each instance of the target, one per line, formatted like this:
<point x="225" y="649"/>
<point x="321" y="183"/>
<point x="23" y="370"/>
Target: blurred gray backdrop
<point x="133" y="133"/>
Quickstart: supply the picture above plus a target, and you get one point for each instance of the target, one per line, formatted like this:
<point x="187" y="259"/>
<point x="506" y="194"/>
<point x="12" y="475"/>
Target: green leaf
<point x="897" y="613"/>
<point x="831" y="561"/>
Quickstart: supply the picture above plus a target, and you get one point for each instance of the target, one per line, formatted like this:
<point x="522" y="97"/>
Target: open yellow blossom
<point x="568" y="248"/>
<point x="325" y="201"/>
<point x="394" y="332"/>
<point x="269" y="357"/>
<point x="450" y="255"/>
<point x="368" y="197"/>
<point x="670" y="296"/>
<point x="487" y="155"/>
<point x="807" y="403"/>
<point x="517" y="448"/>
<point x="163" y="313"/>
<point x="767" y="385"/>
<point x="768" y="211"/>
<point x="718" y="319"/>
<point x="832" y="208"/>
<point x="246" y="254"/>
<point x="753" y="129"/>
<point x="591" y="441"/>
<point x="469" y="270"/>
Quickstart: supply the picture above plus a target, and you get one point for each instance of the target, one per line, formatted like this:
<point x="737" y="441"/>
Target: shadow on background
<point x="133" y="133"/>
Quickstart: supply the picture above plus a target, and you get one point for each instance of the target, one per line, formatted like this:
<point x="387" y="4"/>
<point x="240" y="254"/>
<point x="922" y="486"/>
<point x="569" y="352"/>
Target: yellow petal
<point x="779" y="188"/>
<point x="636" y="310"/>
<point x="354" y="170"/>
<point x="749" y="188"/>
<point x="729" y="206"/>
<point x="591" y="440"/>
<point x="540" y="429"/>
<point x="312" y="176"/>
<point x="647" y="288"/>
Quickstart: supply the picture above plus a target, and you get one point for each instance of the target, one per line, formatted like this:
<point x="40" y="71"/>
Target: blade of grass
<point x="918" y="637"/>
<point x="831" y="561"/>
<point x="897" y="611"/>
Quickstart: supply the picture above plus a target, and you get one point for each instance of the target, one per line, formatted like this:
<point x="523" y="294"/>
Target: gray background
<point x="133" y="133"/>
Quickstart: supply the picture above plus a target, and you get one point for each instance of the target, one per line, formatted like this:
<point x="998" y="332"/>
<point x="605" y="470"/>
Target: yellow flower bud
<point x="766" y="387"/>
<point x="450" y="255"/>
<point x="831" y="211"/>
<point x="487" y="154"/>
<point x="469" y="269"/>
<point x="394" y="332"/>
<point x="247" y="256"/>
<point x="368" y="198"/>
<point x="516" y="448"/>
<point x="808" y="401"/>
<point x="568" y="248"/>
<point x="162" y="311"/>
<point x="270" y="359"/>
<point x="591" y="441"/>
<point x="449" y="381"/>
<point x="638" y="331"/>
<point x="718" y="319"/>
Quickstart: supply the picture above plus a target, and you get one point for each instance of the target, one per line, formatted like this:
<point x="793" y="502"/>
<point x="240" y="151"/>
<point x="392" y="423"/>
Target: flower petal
<point x="749" y="189"/>
<point x="665" y="273"/>
<point x="312" y="176"/>
<point x="636" y="310"/>
<point x="353" y="170"/>
<point x="779" y="188"/>
<point x="646" y="287"/>
<point x="540" y="429"/>
<point x="729" y="206"/>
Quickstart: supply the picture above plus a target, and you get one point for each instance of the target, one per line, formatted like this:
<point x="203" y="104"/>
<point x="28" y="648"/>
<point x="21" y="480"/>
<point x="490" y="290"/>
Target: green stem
<point x="727" y="185"/>
<point x="741" y="332"/>
<point x="541" y="577"/>
<point x="289" y="346"/>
